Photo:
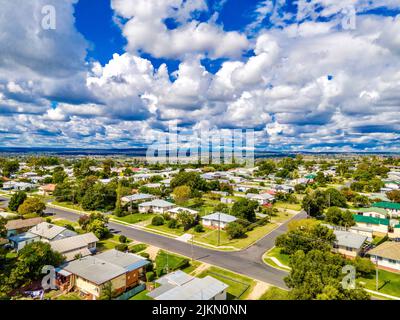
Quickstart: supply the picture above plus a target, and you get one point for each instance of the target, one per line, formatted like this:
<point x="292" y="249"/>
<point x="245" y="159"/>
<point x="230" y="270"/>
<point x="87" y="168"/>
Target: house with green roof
<point x="377" y="225"/>
<point x="393" y="208"/>
<point x="374" y="212"/>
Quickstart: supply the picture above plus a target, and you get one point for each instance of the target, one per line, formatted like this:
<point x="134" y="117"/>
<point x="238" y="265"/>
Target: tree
<point x="32" y="205"/>
<point x="364" y="266"/>
<point x="335" y="198"/>
<point x="190" y="179"/>
<point x="59" y="175"/>
<point x="235" y="230"/>
<point x="99" y="228"/>
<point x="157" y="221"/>
<point x="185" y="219"/>
<point x="9" y="167"/>
<point x="3" y="230"/>
<point x="245" y="209"/>
<point x="317" y="237"/>
<point x="99" y="197"/>
<point x="16" y="200"/>
<point x="393" y="195"/>
<point x="339" y="217"/>
<point x="317" y="275"/>
<point x="181" y="194"/>
<point x="30" y="261"/>
<point x="361" y="201"/>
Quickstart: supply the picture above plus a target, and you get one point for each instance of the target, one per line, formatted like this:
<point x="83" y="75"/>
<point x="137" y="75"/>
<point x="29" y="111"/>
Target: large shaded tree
<point x="317" y="275"/>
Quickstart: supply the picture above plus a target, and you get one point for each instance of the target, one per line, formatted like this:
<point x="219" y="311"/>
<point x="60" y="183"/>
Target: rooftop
<point x="105" y="266"/>
<point x="219" y="216"/>
<point x="387" y="205"/>
<point x="349" y="239"/>
<point x="371" y="220"/>
<point x="156" y="203"/>
<point x="22" y="223"/>
<point x="180" y="286"/>
<point x="388" y="249"/>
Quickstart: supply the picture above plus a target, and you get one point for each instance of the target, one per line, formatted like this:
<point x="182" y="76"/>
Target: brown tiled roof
<point x="388" y="249"/>
<point x="48" y="187"/>
<point x="20" y="223"/>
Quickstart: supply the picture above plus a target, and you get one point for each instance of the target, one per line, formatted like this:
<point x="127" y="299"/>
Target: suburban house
<point x="18" y="186"/>
<point x="180" y="286"/>
<point x="18" y="226"/>
<point x="76" y="246"/>
<point x="175" y="211"/>
<point x="217" y="220"/>
<point x="89" y="275"/>
<point x="156" y="206"/>
<point x="392" y="208"/>
<point x="348" y="244"/>
<point x="363" y="231"/>
<point x="51" y="232"/>
<point x="262" y="198"/>
<point x="386" y="256"/>
<point x="377" y="225"/>
<point x="47" y="190"/>
<point x="137" y="198"/>
<point x="373" y="212"/>
<point x="19" y="241"/>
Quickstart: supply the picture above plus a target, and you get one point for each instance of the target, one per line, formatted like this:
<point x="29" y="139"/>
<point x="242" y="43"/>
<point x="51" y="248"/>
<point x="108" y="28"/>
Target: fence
<point x="129" y="294"/>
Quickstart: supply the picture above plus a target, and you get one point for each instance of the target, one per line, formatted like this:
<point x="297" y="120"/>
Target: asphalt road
<point x="247" y="262"/>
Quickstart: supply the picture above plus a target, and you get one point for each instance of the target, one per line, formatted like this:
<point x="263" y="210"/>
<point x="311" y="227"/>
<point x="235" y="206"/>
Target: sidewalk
<point x="382" y="294"/>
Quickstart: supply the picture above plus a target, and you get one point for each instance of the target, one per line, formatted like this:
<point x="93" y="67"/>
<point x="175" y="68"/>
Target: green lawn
<point x="169" y="261"/>
<point x="239" y="286"/>
<point x="135" y="218"/>
<point x="389" y="283"/>
<point x="142" y="296"/>
<point x="276" y="253"/>
<point x="63" y="223"/>
<point x="284" y="205"/>
<point x="193" y="266"/>
<point x="164" y="228"/>
<point x="275" y="293"/>
<point x="211" y="237"/>
<point x="109" y="243"/>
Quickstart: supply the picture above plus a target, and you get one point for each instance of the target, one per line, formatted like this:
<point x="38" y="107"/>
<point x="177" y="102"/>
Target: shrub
<point x="144" y="255"/>
<point x="150" y="276"/>
<point x="235" y="230"/>
<point x="173" y="224"/>
<point x="166" y="216"/>
<point x="138" y="247"/>
<point x="69" y="227"/>
<point x="199" y="228"/>
<point x="122" y="239"/>
<point x="121" y="247"/>
<point x="48" y="220"/>
<point x="157" y="221"/>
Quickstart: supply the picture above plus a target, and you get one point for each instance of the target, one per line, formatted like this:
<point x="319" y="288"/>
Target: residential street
<point x="247" y="262"/>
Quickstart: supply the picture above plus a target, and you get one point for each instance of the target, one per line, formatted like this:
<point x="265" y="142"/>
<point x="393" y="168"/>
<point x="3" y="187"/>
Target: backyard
<point x="389" y="283"/>
<point x="239" y="286"/>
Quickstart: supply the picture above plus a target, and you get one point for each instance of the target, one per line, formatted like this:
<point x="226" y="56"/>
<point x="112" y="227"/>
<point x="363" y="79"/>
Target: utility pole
<point x="377" y="273"/>
<point x="219" y="229"/>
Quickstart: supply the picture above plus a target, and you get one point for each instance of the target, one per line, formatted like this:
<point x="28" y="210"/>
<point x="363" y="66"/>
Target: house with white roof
<point x="217" y="220"/>
<point x="175" y="211"/>
<point x="137" y="198"/>
<point x="181" y="286"/>
<point x="156" y="206"/>
<point x="51" y="232"/>
<point x="81" y="245"/>
<point x="262" y="198"/>
<point x="348" y="243"/>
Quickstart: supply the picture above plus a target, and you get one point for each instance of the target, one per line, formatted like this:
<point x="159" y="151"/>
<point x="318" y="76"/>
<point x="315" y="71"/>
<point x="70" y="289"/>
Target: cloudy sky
<point x="316" y="75"/>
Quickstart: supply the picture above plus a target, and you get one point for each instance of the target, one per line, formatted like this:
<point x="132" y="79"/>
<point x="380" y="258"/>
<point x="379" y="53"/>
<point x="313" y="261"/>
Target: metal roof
<point x="23" y="237"/>
<point x="195" y="289"/>
<point x="387" y="205"/>
<point x="47" y="230"/>
<point x="349" y="239"/>
<point x="157" y="203"/>
<point x="105" y="266"/>
<point x="74" y="242"/>
<point x="219" y="216"/>
<point x="20" y="223"/>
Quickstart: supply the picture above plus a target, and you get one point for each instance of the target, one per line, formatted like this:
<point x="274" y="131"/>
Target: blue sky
<point x="315" y="75"/>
